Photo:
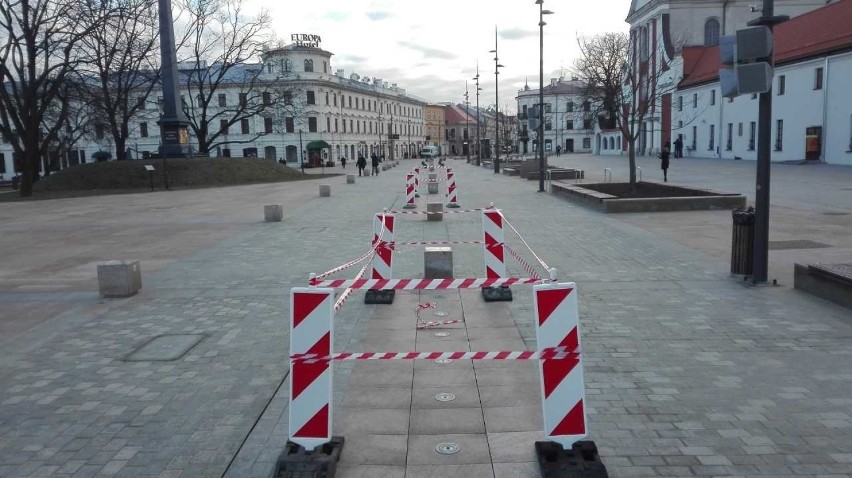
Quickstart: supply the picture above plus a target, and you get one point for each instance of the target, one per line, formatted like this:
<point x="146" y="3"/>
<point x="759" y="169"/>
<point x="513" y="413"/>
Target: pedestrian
<point x="343" y="162"/>
<point x="678" y="151"/>
<point x="376" y="165"/>
<point x="558" y="150"/>
<point x="664" y="163"/>
<point x="361" y="163"/>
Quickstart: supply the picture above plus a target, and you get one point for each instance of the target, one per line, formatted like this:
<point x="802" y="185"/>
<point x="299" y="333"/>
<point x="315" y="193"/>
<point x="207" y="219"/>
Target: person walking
<point x="678" y="151"/>
<point x="361" y="163"/>
<point x="343" y="162"/>
<point x="375" y="165"/>
<point x="558" y="150"/>
<point x="664" y="163"/>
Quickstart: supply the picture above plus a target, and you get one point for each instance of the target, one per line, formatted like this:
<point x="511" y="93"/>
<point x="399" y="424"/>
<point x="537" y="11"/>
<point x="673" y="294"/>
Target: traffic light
<point x="743" y="57"/>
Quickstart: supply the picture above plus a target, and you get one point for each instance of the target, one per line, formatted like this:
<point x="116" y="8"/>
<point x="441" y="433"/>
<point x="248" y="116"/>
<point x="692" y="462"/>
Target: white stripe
<point x="560" y="323"/>
<point x="561" y="401"/>
<point x="307" y="404"/>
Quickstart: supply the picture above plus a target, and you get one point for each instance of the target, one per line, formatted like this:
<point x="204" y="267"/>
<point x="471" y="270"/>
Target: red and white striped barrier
<point x="338" y="304"/>
<point x="422" y="284"/>
<point x="383" y="226"/>
<point x="436" y="212"/>
<point x="452" y="193"/>
<point x="410" y="192"/>
<point x="425" y="324"/>
<point x="416" y="180"/>
<point x="526" y="265"/>
<point x="553" y="354"/>
<point x="311" y="330"/>
<point x="433" y="243"/>
<point x="563" y="392"/>
<point x="493" y="237"/>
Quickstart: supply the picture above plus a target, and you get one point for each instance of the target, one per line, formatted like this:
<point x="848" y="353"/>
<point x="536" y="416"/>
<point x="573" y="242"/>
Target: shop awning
<point x="319" y="144"/>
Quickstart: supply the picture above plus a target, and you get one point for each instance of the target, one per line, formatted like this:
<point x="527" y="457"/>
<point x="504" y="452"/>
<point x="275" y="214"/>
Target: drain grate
<point x="796" y="244"/>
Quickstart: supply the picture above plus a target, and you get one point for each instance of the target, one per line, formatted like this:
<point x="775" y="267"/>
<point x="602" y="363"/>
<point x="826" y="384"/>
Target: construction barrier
<point x="493" y="239"/>
<point x="410" y="191"/>
<point x="383" y="224"/>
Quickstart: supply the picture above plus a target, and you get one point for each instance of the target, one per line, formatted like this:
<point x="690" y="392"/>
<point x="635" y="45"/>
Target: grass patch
<point x="121" y="177"/>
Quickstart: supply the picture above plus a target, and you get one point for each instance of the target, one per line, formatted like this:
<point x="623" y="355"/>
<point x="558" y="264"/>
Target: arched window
<point x="309" y="65"/>
<point x="611" y="142"/>
<point x="711" y="32"/>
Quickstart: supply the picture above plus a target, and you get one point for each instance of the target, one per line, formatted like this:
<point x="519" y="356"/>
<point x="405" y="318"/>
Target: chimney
<point x="339" y="72"/>
<point x="553" y="82"/>
<point x="377" y="82"/>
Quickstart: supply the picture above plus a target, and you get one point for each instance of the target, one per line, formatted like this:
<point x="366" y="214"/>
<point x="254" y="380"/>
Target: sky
<point x="431" y="47"/>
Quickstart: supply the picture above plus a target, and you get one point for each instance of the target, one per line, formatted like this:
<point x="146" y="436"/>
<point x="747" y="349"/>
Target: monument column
<point x="174" y="136"/>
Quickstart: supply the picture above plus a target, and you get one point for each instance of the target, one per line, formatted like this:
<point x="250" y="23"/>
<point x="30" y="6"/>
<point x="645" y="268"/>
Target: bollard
<point x="350" y="179"/>
<point x="438" y="263"/>
<point x="434" y="207"/>
<point x="433" y="176"/>
<point x="432" y="187"/>
<point x="119" y="278"/>
<point x="273" y="213"/>
<point x="325" y="190"/>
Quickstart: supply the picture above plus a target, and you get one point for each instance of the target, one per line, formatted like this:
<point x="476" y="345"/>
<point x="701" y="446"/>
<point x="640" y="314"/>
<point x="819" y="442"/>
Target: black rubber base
<point x="497" y="294"/>
<point x="581" y="461"/>
<point x="296" y="462"/>
<point x="453" y="205"/>
<point x="378" y="296"/>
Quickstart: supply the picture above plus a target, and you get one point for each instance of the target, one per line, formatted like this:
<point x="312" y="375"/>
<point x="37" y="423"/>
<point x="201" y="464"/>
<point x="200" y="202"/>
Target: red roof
<point x="454" y="114"/>
<point x="814" y="33"/>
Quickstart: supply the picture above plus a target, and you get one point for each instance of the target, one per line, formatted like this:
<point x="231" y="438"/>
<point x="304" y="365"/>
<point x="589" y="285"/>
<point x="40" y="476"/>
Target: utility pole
<point x="301" y="151"/>
<point x="478" y="141"/>
<point x="497" y="66"/>
<point x="466" y="134"/>
<point x="541" y="13"/>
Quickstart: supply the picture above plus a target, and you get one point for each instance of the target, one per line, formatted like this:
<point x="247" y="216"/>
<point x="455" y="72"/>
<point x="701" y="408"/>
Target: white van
<point x="429" y="152"/>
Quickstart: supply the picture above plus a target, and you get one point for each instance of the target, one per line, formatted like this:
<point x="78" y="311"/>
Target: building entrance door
<point x="569" y="145"/>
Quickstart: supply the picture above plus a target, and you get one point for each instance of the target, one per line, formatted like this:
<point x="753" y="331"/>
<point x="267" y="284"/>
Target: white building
<point x="568" y="121"/>
<point x="354" y="115"/>
<point x="812" y="103"/>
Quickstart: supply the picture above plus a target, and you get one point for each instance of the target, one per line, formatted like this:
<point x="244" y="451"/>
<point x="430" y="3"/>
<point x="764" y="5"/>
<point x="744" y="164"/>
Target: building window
<point x="344" y="125"/>
<point x="140" y="102"/>
<point x="267" y="125"/>
<point x="782" y="84"/>
<point x="680" y="103"/>
<point x="288" y="125"/>
<point x="729" y="145"/>
<point x="818" y="79"/>
<point x="712" y="146"/>
<point x="267" y="98"/>
<point x="587" y="143"/>
<point x="711" y="32"/>
<point x="694" y="137"/>
<point x="335" y="125"/>
<point x="548" y="145"/>
<point x="243" y="99"/>
<point x="712" y="97"/>
<point x="312" y="124"/>
<point x="587" y="123"/>
<point x="752" y="129"/>
<point x="244" y="126"/>
<point x="334" y="99"/>
<point x="226" y="153"/>
<point x="143" y="130"/>
<point x="328" y="123"/>
<point x="309" y="66"/>
<point x="223" y="126"/>
<point x="350" y="126"/>
<point x="570" y="124"/>
<point x="2" y="163"/>
<point x="99" y="131"/>
<point x="570" y="107"/>
<point x="779" y="134"/>
<point x="547" y="108"/>
<point x="312" y="100"/>
<point x="524" y="114"/>
<point x="695" y="100"/>
<point x="350" y="102"/>
<point x="548" y="125"/>
<point x="740" y="130"/>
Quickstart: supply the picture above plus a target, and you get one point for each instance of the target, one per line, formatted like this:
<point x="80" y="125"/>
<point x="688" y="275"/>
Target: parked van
<point x="429" y="152"/>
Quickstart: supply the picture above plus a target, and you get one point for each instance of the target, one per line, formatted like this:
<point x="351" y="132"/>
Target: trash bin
<point x="742" y="241"/>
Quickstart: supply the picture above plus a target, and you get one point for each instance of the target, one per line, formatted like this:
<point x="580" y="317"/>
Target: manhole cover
<point x="442" y="334"/>
<point x="164" y="348"/>
<point x="441" y="313"/>
<point x="443" y="361"/>
<point x="448" y="448"/>
<point x="796" y="244"/>
<point x="445" y="397"/>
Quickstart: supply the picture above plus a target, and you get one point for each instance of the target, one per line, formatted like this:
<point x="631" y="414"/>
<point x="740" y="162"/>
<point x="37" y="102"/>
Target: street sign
<point x="148" y="167"/>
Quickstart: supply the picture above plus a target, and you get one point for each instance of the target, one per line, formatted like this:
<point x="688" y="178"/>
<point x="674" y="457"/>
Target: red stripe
<point x="574" y="423"/>
<point x="316" y="427"/>
<point x="548" y="300"/>
<point x="501" y="355"/>
<point x="554" y="371"/>
<point x="489" y="240"/>
<point x="479" y="355"/>
<point x="495" y="217"/>
<point x="305" y="303"/>
<point x="305" y="374"/>
<point x="445" y="283"/>
<point x="322" y="347"/>
<point x="467" y="283"/>
<point x="571" y="342"/>
<point x="489" y="273"/>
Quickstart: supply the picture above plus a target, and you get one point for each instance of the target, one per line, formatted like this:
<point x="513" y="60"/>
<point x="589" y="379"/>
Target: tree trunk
<point x="631" y="156"/>
<point x="120" y="148"/>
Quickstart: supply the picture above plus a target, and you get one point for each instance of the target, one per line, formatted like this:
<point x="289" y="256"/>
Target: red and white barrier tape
<point x="436" y="212"/>
<point x="549" y="354"/>
<point x="428" y="325"/>
<point x="346" y="293"/>
<point x="432" y="243"/>
<point x="352" y="263"/>
<point x="422" y="284"/>
<point x="526" y="265"/>
<point x="543" y="264"/>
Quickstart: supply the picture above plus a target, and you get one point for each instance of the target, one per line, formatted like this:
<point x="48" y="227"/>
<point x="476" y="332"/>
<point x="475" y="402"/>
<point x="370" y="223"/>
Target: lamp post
<point x="301" y="151"/>
<point x="497" y="67"/>
<point x="541" y="24"/>
<point x="466" y="122"/>
<point x="478" y="141"/>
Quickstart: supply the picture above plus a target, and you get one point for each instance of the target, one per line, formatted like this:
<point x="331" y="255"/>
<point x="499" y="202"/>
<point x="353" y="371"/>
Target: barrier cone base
<point x="581" y="460"/>
<point x="497" y="294"/>
<point x="409" y="206"/>
<point x="295" y="460"/>
<point x="453" y="205"/>
<point x="379" y="296"/>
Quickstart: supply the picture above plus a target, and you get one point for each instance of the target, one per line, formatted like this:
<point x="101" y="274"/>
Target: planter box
<point x="559" y="174"/>
<point x="832" y="282"/>
<point x="692" y="199"/>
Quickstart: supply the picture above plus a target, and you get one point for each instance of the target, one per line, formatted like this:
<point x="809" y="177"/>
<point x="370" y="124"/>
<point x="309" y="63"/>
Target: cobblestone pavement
<point x="687" y="372"/>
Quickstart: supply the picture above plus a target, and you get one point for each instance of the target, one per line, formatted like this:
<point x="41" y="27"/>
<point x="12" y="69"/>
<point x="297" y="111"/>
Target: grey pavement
<point x="687" y="372"/>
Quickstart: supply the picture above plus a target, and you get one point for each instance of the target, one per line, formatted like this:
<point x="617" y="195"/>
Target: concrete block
<point x="273" y="213"/>
<point x="434" y="207"/>
<point x="438" y="263"/>
<point x="325" y="190"/>
<point x="350" y="179"/>
<point x="119" y="278"/>
<point x="432" y="187"/>
<point x="433" y="176"/>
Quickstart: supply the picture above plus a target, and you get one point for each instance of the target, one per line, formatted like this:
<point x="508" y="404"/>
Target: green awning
<point x="320" y="144"/>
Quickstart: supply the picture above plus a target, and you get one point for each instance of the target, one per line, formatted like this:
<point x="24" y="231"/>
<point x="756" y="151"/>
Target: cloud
<point x="429" y="52"/>
<point x="348" y="58"/>
<point x="378" y="15"/>
<point x="336" y="16"/>
<point x="517" y="34"/>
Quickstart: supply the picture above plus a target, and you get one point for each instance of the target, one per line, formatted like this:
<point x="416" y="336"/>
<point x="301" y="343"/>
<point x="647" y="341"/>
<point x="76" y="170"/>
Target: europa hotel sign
<point x="305" y="39"/>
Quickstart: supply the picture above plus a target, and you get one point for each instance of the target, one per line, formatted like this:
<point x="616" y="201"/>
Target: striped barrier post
<point x="410" y="192"/>
<point x="417" y="182"/>
<point x="452" y="194"/>
<point x="311" y="330"/>
<point x="495" y="254"/>
<point x="383" y="259"/>
<point x="562" y="389"/>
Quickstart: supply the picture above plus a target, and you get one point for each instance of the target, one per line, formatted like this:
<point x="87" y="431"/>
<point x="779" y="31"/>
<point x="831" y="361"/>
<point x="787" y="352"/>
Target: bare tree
<point x="39" y="54"/>
<point x="76" y="123"/>
<point x="122" y="55"/>
<point x="224" y="48"/>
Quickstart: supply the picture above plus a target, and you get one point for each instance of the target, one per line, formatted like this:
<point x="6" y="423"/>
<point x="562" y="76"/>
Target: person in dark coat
<point x="375" y="165"/>
<point x="343" y="162"/>
<point x="678" y="144"/>
<point x="664" y="163"/>
<point x="361" y="163"/>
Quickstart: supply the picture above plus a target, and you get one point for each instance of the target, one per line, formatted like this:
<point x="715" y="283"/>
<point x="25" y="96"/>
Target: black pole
<point x="301" y="152"/>
<point x="541" y="96"/>
<point x="174" y="135"/>
<point x="478" y="141"/>
<point x="496" y="105"/>
<point x="466" y="135"/>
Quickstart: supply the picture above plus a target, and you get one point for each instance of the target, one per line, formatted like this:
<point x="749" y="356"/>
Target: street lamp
<point x="541" y="24"/>
<point x="478" y="141"/>
<point x="301" y="151"/>
<point x="466" y="135"/>
<point x="497" y="67"/>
